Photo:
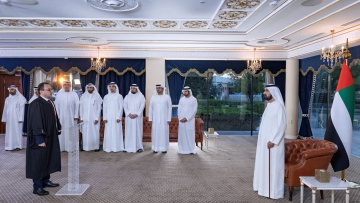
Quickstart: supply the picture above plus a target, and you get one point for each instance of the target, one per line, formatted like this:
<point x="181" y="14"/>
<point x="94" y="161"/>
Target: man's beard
<point x="267" y="98"/>
<point x="133" y="92"/>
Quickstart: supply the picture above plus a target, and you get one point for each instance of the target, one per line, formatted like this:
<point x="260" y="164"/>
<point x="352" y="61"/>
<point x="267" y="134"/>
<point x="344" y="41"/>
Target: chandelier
<point x="331" y="55"/>
<point x="98" y="63"/>
<point x="254" y="64"/>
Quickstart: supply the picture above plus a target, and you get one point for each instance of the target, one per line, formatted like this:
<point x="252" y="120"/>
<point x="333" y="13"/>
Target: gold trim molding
<point x="328" y="70"/>
<point x="134" y="23"/>
<point x="193" y="70"/>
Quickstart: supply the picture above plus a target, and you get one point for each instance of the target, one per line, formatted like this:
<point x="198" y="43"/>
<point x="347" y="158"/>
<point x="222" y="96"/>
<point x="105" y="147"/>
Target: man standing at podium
<point x="43" y="149"/>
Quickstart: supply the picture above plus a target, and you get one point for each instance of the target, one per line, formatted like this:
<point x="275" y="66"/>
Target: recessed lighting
<point x="311" y="2"/>
<point x="265" y="41"/>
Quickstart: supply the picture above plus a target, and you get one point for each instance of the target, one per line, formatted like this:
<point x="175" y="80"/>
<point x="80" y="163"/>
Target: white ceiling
<point x="162" y="28"/>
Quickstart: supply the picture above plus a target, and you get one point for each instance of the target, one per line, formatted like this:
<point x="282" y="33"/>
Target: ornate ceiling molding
<point x="135" y="23"/>
<point x="13" y="23"/>
<point x="73" y="23"/>
<point x="104" y="23"/>
<point x="195" y="24"/>
<point x="232" y="15"/>
<point x="224" y="24"/>
<point x="242" y="4"/>
<point x="165" y="24"/>
<point x="43" y="23"/>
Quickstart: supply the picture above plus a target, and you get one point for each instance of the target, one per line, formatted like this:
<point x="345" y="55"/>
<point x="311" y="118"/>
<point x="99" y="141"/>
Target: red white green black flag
<point x="339" y="126"/>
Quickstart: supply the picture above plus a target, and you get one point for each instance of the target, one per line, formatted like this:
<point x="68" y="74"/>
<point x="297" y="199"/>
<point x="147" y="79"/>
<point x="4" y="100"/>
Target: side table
<point x="215" y="135"/>
<point x="334" y="184"/>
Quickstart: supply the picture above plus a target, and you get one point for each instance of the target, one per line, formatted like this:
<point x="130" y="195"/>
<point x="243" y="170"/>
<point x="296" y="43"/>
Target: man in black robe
<point x="43" y="149"/>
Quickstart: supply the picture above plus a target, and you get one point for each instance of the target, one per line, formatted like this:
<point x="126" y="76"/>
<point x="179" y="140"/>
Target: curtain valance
<point x="315" y="64"/>
<point x="47" y="65"/>
<point x="202" y="67"/>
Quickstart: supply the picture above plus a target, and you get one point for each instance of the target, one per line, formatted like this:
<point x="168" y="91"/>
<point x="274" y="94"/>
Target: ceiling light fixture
<point x="98" y="63"/>
<point x="254" y="64"/>
<point x="331" y="55"/>
<point x="114" y="5"/>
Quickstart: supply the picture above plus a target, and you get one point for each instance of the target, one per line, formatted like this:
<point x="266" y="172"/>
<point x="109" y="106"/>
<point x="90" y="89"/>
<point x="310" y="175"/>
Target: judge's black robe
<point x="42" y="121"/>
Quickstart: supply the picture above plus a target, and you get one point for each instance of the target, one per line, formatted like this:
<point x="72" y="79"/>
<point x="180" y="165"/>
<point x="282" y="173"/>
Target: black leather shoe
<point x="139" y="151"/>
<point x="50" y="184"/>
<point x="155" y="152"/>
<point x="96" y="150"/>
<point x="40" y="192"/>
<point x="164" y="152"/>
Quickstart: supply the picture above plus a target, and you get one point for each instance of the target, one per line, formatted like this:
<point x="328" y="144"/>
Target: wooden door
<point x="6" y="81"/>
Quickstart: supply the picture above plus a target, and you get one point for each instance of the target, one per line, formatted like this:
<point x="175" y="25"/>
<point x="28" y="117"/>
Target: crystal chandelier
<point x="331" y="55"/>
<point x="254" y="64"/>
<point x="98" y="63"/>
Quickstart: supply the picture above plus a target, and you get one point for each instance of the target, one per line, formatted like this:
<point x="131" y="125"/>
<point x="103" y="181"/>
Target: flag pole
<point x="346" y="56"/>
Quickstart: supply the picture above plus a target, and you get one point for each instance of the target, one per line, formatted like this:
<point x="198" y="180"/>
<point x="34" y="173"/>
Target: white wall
<point x="155" y="74"/>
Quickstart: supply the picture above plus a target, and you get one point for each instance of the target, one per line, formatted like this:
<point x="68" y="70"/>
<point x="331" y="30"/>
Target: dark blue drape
<point x="305" y="87"/>
<point x="280" y="82"/>
<point x="123" y="81"/>
<point x="82" y="64"/>
<point x="25" y="83"/>
<point x="176" y="84"/>
<point x="90" y="77"/>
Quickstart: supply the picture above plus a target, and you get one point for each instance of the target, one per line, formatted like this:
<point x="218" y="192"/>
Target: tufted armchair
<point x="302" y="157"/>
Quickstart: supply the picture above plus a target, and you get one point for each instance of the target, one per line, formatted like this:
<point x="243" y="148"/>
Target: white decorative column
<point x="155" y="74"/>
<point x="292" y="97"/>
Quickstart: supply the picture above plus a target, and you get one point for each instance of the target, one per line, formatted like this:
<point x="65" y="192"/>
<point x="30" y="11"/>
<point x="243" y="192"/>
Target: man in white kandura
<point x="134" y="104"/>
<point x="271" y="140"/>
<point x="186" y="113"/>
<point x="13" y="116"/>
<point x="160" y="110"/>
<point x="35" y="96"/>
<point x="112" y="115"/>
<point x="90" y="108"/>
<point x="67" y="108"/>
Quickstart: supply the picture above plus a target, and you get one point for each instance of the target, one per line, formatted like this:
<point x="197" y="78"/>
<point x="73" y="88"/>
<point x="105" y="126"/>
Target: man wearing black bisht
<point x="43" y="149"/>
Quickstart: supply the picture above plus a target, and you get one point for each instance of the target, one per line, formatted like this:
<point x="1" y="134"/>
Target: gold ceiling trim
<point x="134" y="23"/>
<point x="242" y="4"/>
<point x="13" y="23"/>
<point x="232" y="15"/>
<point x="193" y="70"/>
<point x="43" y="23"/>
<point x="165" y="23"/>
<point x="195" y="24"/>
<point x="224" y="24"/>
<point x="73" y="23"/>
<point x="104" y="23"/>
<point x="20" y="68"/>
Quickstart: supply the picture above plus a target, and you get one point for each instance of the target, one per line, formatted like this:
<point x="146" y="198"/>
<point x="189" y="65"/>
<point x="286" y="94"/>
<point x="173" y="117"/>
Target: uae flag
<point x="339" y="126"/>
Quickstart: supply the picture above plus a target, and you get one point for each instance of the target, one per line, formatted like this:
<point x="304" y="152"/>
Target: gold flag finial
<point x="347" y="54"/>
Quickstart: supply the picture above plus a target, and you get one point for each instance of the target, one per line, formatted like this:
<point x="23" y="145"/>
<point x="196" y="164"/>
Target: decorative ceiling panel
<point x="135" y="24"/>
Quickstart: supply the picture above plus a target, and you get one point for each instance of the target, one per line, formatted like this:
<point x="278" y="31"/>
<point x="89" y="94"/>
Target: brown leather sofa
<point x="173" y="128"/>
<point x="302" y="157"/>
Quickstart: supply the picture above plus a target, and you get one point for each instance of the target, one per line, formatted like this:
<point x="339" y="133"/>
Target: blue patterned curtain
<point x="176" y="84"/>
